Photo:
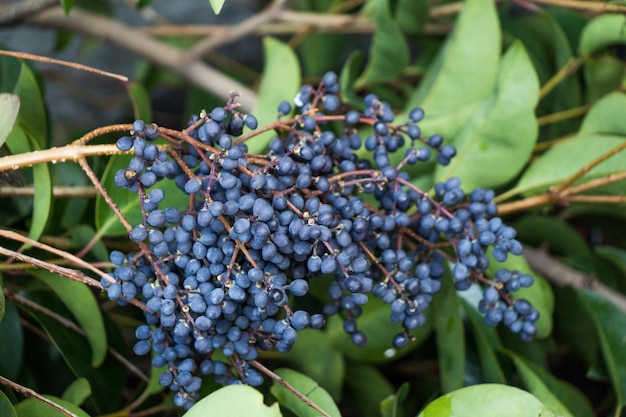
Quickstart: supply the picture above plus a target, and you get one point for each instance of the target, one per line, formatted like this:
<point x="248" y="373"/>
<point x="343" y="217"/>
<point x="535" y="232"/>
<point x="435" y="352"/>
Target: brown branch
<point x="57" y="192"/>
<point x="560" y="274"/>
<point x="30" y="393"/>
<point x="584" y="5"/>
<point x="11" y="13"/>
<point x="140" y="43"/>
<point x="54" y="155"/>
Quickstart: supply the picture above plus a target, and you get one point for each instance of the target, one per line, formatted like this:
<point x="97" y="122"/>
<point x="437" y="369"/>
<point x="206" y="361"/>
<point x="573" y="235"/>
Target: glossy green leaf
<point x="32" y="407"/>
<point x="77" y="392"/>
<point x="602" y="31"/>
<point x="487" y="400"/>
<point x="393" y="406"/>
<point x="308" y="388"/>
<point x="79" y="299"/>
<point x="67" y="5"/>
<point x="487" y="342"/>
<point x="32" y="116"/>
<point x="107" y="381"/>
<point x="217" y="5"/>
<point x="127" y="201"/>
<point x="497" y="140"/>
<point x="314" y="355"/>
<point x="412" y="15"/>
<point x="11" y="353"/>
<point x="610" y="323"/>
<point x="374" y="322"/>
<point x="449" y="335"/>
<point x="462" y="76"/>
<point x="606" y="116"/>
<point x="539" y="294"/>
<point x="140" y="99"/>
<point x="370" y="386"/>
<point x="6" y="408"/>
<point x="9" y="108"/>
<point x="42" y="200"/>
<point x="234" y="401"/>
<point x="389" y="53"/>
<point x="565" y="159"/>
<point x="281" y="81"/>
<point x="561" y="397"/>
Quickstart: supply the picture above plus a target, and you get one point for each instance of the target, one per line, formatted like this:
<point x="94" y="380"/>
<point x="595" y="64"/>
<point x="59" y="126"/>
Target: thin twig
<point x="563" y="115"/>
<point x="32" y="57"/>
<point x="567" y="70"/>
<point x="561" y="275"/>
<point x="592" y="6"/>
<point x="289" y="387"/>
<point x="30" y="393"/>
<point x="54" y="155"/>
<point x="10" y="13"/>
<point x="57" y="192"/>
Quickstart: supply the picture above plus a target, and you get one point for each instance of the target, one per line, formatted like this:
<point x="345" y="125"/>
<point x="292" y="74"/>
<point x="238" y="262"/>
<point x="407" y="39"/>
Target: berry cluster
<point x="217" y="278"/>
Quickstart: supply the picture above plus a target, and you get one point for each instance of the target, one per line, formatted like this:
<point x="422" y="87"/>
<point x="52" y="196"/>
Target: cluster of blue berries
<point x="217" y="278"/>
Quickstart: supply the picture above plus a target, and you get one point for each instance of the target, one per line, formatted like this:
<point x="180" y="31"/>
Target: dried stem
<point x="568" y="69"/>
<point x="30" y="393"/>
<point x="563" y="115"/>
<point x="57" y="192"/>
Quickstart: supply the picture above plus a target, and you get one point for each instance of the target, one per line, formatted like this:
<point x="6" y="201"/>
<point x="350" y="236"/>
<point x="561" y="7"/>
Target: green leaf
<point x="374" y="322"/>
<point x="217" y="5"/>
<point x="389" y="53"/>
<point x="2" y="301"/>
<point x="348" y="77"/>
<point x="601" y="32"/>
<point x="412" y="15"/>
<point x="393" y="406"/>
<point x="77" y="392"/>
<point x="32" y="116"/>
<point x="11" y="353"/>
<point x="610" y="323"/>
<point x="603" y="75"/>
<point x="314" y="355"/>
<point x="487" y="342"/>
<point x="32" y="407"/>
<point x="9" y="108"/>
<point x="281" y="80"/>
<point x="606" y="116"/>
<point x="141" y="101"/>
<point x="42" y="200"/>
<point x="6" y="408"/>
<point x="561" y="238"/>
<point x="370" y="386"/>
<point x="234" y="401"/>
<point x="462" y="76"/>
<point x="307" y="387"/>
<point x="79" y="299"/>
<point x="487" y="400"/>
<point x="497" y="140"/>
<point x="10" y="74"/>
<point x="565" y="159"/>
<point x="450" y="336"/>
<point x="563" y="398"/>
<point x="67" y="6"/>
<point x="539" y="294"/>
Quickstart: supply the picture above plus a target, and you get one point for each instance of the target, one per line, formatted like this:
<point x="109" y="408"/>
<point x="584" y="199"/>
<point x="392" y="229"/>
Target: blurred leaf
<point x="450" y="336"/>
<point x="487" y="342"/>
<point x="315" y="356"/>
<point x="67" y="6"/>
<point x="539" y="294"/>
<point x="559" y="237"/>
<point x="487" y="400"/>
<point x="462" y="76"/>
<point x="601" y="32"/>
<point x="603" y="75"/>
<point x="606" y="116"/>
<point x="217" y="5"/>
<point x="349" y="74"/>
<point x="107" y="382"/>
<point x="2" y="301"/>
<point x="412" y="15"/>
<point x="610" y="323"/>
<point x="82" y="234"/>
<point x="11" y="353"/>
<point x="79" y="299"/>
<point x="374" y="322"/>
<point x="316" y="64"/>
<point x="389" y="53"/>
<point x="566" y="158"/>
<point x="392" y="406"/>
<point x="32" y="407"/>
<point x="10" y="74"/>
<point x="495" y="143"/>
<point x="369" y="386"/>
<point x="561" y="397"/>
<point x="616" y="256"/>
<point x="308" y="388"/>
<point x="234" y="401"/>
<point x="32" y="116"/>
<point x="280" y="81"/>
<point x="6" y="408"/>
<point x="140" y="99"/>
<point x="42" y="199"/>
<point x="153" y="385"/>
<point x="9" y="108"/>
<point x="77" y="392"/>
<point x="72" y="210"/>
